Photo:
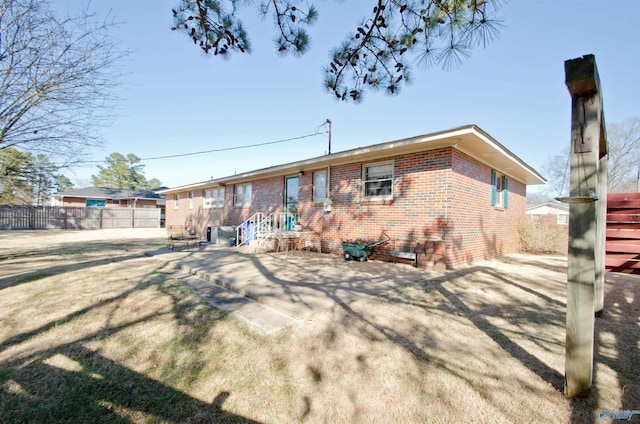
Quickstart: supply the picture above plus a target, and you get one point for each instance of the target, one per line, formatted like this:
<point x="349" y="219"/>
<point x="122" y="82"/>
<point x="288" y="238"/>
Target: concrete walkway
<point x="261" y="317"/>
<point x="271" y="290"/>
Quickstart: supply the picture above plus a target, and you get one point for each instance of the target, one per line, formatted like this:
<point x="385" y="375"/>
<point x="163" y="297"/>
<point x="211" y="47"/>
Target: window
<point x="319" y="186"/>
<point x="214" y="198"/>
<point x="94" y="203"/>
<point x="242" y="195"/>
<point x="117" y="202"/>
<point x="176" y="198"/>
<point x="562" y="219"/>
<point x="378" y="180"/>
<point x="191" y="200"/>
<point x="499" y="190"/>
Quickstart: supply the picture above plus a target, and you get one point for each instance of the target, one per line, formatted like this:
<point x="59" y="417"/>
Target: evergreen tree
<point x="45" y="180"/>
<point x="14" y="177"/>
<point x="376" y="56"/>
<point x="28" y="180"/>
<point x="123" y="172"/>
<point x="154" y="183"/>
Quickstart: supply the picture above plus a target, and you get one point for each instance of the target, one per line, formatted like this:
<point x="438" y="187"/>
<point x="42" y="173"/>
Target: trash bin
<point x="209" y="234"/>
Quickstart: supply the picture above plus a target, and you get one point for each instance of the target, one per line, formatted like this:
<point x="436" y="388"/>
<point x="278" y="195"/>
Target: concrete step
<point x="263" y="318"/>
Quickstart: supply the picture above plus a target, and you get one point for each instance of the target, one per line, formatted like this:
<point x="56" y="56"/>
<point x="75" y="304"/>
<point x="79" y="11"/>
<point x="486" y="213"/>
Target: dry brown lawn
<point x="94" y="331"/>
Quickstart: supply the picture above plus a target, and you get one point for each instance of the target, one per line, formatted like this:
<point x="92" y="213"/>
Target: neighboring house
<point x="550" y="212"/>
<point x="102" y="197"/>
<point x="460" y="193"/>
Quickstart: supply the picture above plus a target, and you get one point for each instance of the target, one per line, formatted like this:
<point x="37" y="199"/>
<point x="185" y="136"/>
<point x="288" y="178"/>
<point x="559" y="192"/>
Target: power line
<point x="317" y="131"/>
<point x="223" y="149"/>
<point x="234" y="148"/>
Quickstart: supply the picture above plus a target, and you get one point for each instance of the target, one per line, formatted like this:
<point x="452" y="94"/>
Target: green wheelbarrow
<point x="361" y="252"/>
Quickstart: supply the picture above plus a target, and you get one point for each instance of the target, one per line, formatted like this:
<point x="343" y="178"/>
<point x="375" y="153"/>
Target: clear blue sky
<point x="176" y="100"/>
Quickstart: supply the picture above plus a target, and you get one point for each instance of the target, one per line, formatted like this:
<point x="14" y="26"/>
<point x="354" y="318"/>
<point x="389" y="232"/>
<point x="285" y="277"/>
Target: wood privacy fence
<point x="623" y="233"/>
<point x="69" y="218"/>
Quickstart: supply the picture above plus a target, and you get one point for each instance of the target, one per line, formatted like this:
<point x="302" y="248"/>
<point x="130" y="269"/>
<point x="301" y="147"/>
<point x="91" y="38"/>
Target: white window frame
<point x="367" y="182"/>
<point x="214" y="198"/>
<point x="191" y="200"/>
<point x="242" y="195"/>
<point x="319" y="196"/>
<point x="176" y="201"/>
<point x="562" y="219"/>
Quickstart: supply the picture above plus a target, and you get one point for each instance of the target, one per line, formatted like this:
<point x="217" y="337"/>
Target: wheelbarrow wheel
<point x="347" y="256"/>
<point x="362" y="258"/>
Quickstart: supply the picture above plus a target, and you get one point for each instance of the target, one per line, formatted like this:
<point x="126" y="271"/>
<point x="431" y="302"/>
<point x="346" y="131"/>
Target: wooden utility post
<point x="587" y="218"/>
<point x="601" y="222"/>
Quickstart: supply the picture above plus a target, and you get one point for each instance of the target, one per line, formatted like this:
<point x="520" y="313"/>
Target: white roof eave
<point x="469" y="139"/>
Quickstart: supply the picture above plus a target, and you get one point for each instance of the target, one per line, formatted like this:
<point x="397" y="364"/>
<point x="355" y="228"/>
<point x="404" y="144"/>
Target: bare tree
<point x="623" y="167"/>
<point x="376" y="56"/>
<point x="556" y="170"/>
<point x="624" y="155"/>
<point x="56" y="80"/>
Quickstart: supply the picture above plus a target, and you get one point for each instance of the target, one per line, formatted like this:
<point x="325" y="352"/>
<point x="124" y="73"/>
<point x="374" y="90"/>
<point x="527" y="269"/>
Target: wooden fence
<point x="623" y="233"/>
<point x="68" y="218"/>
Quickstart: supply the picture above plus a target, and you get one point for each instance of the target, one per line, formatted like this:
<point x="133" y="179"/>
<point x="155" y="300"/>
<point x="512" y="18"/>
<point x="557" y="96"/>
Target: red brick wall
<point x="419" y="180"/>
<point x="440" y="194"/>
<point x="81" y="202"/>
<point x="196" y="216"/>
<point x="437" y="194"/>
<point x="478" y="230"/>
<point x="267" y="196"/>
<point x="74" y="201"/>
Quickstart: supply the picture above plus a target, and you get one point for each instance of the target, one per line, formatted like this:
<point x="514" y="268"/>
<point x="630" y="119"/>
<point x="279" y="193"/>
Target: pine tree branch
<point x="376" y="56"/>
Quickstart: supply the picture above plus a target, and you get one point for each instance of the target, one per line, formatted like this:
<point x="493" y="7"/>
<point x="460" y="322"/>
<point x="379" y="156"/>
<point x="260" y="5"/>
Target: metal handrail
<point x="258" y="224"/>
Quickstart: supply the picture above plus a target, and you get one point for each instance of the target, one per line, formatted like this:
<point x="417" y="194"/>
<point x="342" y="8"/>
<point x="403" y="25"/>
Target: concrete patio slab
<point x="296" y="284"/>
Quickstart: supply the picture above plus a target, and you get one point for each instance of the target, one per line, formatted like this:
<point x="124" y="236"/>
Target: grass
<point x="100" y="333"/>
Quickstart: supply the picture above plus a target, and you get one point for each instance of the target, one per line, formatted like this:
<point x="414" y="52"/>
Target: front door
<point x="291" y="202"/>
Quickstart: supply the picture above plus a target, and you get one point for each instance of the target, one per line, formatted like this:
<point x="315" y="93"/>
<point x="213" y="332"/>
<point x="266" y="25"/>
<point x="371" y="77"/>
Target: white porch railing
<point x="257" y="226"/>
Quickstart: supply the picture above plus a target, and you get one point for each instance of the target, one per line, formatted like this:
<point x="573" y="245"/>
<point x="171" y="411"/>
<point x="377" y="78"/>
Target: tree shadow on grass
<point x="33" y="265"/>
<point x="37" y="249"/>
<point x="520" y="315"/>
<point x="479" y="319"/>
<point x="617" y="338"/>
<point x="550" y="263"/>
<point x="72" y="383"/>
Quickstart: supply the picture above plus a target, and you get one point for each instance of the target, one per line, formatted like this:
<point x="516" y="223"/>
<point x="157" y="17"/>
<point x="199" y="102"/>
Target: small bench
<point x="187" y="236"/>
<point x="405" y="249"/>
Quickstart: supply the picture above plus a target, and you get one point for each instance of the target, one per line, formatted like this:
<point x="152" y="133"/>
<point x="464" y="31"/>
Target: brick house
<point x="459" y="194"/>
<point x="103" y="197"/>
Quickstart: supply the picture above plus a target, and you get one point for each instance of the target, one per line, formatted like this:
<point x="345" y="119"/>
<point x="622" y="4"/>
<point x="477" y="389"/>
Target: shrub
<point x="542" y="234"/>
